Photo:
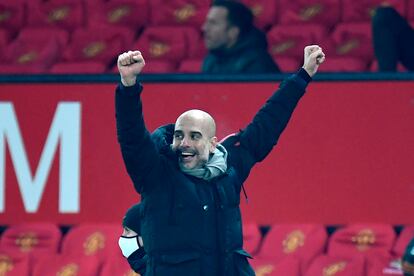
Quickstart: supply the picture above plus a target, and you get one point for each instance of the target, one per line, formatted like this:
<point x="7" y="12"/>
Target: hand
<point x="130" y="64"/>
<point x="313" y="57"/>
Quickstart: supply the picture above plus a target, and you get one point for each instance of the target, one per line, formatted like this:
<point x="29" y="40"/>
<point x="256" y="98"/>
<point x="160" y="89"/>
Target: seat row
<point x="40" y="249"/>
<point x="136" y="14"/>
<point x="95" y="49"/>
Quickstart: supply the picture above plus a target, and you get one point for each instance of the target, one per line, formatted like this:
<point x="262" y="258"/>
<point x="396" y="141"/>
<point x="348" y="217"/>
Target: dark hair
<point x="238" y="14"/>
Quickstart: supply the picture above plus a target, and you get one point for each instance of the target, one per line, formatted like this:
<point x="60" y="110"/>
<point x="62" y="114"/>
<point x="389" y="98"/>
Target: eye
<point x="195" y="136"/>
<point x="178" y="136"/>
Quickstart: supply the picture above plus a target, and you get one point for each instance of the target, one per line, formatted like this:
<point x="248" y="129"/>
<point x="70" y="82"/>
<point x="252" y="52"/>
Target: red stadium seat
<point x="406" y="235"/>
<point x="45" y="33"/>
<point x="289" y="41"/>
<point x="328" y="265"/>
<point x="66" y="265"/>
<point x="31" y="52"/>
<point x="324" y="12"/>
<point x="288" y="266"/>
<point x="288" y="64"/>
<point x="264" y="11"/>
<point x="362" y="239"/>
<point x="98" y="44"/>
<point x="67" y="14"/>
<point x="14" y="263"/>
<point x="12" y="15"/>
<point x="157" y="43"/>
<point x="99" y="240"/>
<point x="133" y="14"/>
<point x="351" y="40"/>
<point x="78" y="68"/>
<point x="32" y="238"/>
<point x="302" y="241"/>
<point x="363" y="10"/>
<point x="190" y="66"/>
<point x="179" y="12"/>
<point x="344" y="64"/>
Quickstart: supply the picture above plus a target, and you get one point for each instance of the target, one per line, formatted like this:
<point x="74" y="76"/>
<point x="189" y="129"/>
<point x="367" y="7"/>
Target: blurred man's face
<point x="216" y="29"/>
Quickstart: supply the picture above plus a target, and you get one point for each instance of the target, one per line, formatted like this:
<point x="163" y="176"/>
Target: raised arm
<point x="259" y="137"/>
<point x="138" y="150"/>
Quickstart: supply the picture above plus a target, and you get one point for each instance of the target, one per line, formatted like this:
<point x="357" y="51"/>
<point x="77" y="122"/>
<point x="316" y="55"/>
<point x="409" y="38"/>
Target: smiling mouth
<point x="187" y="156"/>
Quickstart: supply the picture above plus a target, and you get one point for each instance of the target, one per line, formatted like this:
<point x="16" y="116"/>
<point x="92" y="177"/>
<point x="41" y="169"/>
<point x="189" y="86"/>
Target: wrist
<point x="128" y="81"/>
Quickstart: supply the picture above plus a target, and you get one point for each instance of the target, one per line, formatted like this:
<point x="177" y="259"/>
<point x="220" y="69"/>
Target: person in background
<point x="234" y="44"/>
<point x="130" y="242"/>
<point x="393" y="40"/>
<point x="408" y="260"/>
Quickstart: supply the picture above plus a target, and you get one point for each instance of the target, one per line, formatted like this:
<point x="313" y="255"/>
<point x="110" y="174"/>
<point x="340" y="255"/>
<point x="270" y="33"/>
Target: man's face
<point x="192" y="142"/>
<point x="216" y="29"/>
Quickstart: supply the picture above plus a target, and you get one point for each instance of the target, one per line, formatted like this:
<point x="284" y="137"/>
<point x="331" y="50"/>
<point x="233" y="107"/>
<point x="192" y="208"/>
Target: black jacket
<point x="248" y="55"/>
<point x="192" y="226"/>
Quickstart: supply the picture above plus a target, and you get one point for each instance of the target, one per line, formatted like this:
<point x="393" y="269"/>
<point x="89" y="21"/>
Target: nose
<point x="184" y="142"/>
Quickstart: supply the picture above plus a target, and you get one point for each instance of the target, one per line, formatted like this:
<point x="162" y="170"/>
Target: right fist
<point x="130" y="64"/>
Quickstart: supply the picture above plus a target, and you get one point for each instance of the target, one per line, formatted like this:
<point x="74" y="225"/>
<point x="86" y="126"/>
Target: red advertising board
<point x="346" y="156"/>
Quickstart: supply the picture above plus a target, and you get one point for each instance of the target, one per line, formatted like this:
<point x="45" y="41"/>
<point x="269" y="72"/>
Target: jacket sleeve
<point x="259" y="137"/>
<point x="138" y="150"/>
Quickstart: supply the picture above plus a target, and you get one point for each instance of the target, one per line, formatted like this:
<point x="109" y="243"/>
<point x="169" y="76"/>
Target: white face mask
<point x="128" y="245"/>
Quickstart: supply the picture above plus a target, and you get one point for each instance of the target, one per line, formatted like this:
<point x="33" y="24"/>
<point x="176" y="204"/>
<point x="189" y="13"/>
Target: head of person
<point x="226" y="22"/>
<point x="194" y="138"/>
<point x="131" y="239"/>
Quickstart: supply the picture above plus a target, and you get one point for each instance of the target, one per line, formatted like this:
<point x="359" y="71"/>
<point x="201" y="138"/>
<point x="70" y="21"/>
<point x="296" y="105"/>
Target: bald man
<point x="189" y="183"/>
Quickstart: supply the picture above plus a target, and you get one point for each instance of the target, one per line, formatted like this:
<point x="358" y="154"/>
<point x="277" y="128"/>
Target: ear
<point x="234" y="33"/>
<point x="213" y="144"/>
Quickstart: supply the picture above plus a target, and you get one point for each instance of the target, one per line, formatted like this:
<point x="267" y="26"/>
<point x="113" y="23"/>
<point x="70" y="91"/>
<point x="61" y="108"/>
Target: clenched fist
<point x="130" y="64"/>
<point x="313" y="57"/>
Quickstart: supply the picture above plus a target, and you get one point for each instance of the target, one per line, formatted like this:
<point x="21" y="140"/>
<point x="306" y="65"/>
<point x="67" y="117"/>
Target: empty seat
<point x="179" y="12"/>
<point x="14" y="263"/>
<point x="133" y="14"/>
<point x="325" y="12"/>
<point x="362" y="239"/>
<point x="362" y="11"/>
<point x="67" y="14"/>
<point x="265" y="12"/>
<point x="34" y="52"/>
<point x="288" y="266"/>
<point x="98" y="44"/>
<point x="338" y="266"/>
<point x="12" y="15"/>
<point x="289" y="41"/>
<point x="351" y="40"/>
<point x="32" y="238"/>
<point x="98" y="239"/>
<point x="45" y="33"/>
<point x="302" y="241"/>
<point x="157" y="43"/>
<point x="66" y="265"/>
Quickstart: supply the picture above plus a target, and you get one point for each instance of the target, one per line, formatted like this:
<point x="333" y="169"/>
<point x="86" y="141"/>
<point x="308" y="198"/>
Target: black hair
<point x="239" y="15"/>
